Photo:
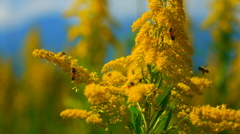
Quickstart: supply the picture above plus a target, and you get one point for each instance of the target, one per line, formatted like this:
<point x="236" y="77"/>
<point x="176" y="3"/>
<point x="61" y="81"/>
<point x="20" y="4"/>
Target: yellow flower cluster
<point x="135" y="93"/>
<point x="96" y="94"/>
<point x="81" y="75"/>
<point x="201" y="83"/>
<point x="160" y="42"/>
<point x="82" y="114"/>
<point x="122" y="62"/>
<point x="113" y="78"/>
<point x="215" y="119"/>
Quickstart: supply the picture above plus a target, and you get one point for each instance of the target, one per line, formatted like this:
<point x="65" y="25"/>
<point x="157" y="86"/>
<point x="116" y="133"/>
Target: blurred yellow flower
<point x="215" y="119"/>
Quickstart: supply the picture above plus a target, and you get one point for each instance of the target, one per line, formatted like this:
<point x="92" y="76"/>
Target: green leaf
<point x="168" y="117"/>
<point x="163" y="105"/>
<point x="167" y="121"/>
<point x="131" y="127"/>
<point x="154" y="70"/>
<point x="156" y="77"/>
<point x="134" y="124"/>
<point x="149" y="68"/>
<point x="159" y="83"/>
<point x="133" y="109"/>
<point x="163" y="120"/>
<point x="138" y="123"/>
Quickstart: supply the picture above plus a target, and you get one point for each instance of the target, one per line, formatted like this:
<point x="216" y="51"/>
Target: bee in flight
<point x="171" y="34"/>
<point x="73" y="73"/>
<point x="203" y="69"/>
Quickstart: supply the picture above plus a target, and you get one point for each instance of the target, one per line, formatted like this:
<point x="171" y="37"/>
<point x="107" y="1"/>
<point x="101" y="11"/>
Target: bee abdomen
<point x="73" y="73"/>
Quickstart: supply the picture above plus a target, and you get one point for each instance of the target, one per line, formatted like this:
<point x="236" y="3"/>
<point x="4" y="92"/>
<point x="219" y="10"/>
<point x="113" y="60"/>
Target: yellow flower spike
<point x="154" y="38"/>
<point x="74" y="113"/>
<point x="123" y="61"/>
<point x="215" y="119"/>
<point x="82" y="114"/>
<point x="81" y="74"/>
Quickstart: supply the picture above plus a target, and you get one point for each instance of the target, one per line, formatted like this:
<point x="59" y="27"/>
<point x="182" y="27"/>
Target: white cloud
<point x="13" y="14"/>
<point x="127" y="8"/>
<point x="197" y="8"/>
<point x="5" y="12"/>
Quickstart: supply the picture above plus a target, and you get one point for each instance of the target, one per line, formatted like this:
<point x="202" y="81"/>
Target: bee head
<point x="73" y="70"/>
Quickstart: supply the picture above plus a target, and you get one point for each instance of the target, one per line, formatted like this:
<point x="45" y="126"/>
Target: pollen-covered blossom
<point x="215" y="119"/>
<point x="67" y="63"/>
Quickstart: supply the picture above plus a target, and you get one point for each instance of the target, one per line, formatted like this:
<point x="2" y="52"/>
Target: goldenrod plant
<point x="223" y="22"/>
<point x="152" y="94"/>
<point x="93" y="31"/>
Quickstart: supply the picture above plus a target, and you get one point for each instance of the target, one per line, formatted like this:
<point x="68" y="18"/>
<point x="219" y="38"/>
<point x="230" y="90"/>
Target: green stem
<point x="144" y="120"/>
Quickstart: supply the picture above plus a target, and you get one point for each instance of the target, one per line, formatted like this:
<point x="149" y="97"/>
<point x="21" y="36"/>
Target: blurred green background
<point x="34" y="92"/>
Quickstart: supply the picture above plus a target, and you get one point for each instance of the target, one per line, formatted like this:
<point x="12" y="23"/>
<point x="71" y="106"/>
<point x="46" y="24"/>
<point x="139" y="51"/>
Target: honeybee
<point x="61" y="54"/>
<point x="73" y="73"/>
<point x="203" y="69"/>
<point x="130" y="84"/>
<point x="109" y="74"/>
<point x="171" y="34"/>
